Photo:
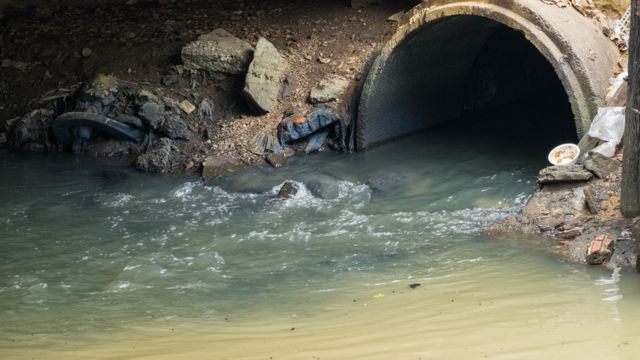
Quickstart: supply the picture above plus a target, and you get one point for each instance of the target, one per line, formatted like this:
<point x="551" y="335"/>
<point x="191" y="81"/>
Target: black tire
<point x="63" y="127"/>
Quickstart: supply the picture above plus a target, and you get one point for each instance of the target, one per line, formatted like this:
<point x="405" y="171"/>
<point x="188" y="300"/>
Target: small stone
<point x="170" y="80"/>
<point x="289" y="189"/>
<point x="414" y="285"/>
<point x="187" y="107"/>
<point x="328" y="90"/>
<point x="556" y="174"/>
<point x="590" y="200"/>
<point x="215" y="165"/>
<point x="569" y="234"/>
<point x="276" y="160"/>
<point x="86" y="52"/>
<point x="206" y="109"/>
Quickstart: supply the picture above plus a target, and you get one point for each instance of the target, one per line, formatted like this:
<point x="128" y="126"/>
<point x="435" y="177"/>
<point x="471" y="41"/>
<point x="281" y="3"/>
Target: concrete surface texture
<point x="421" y="74"/>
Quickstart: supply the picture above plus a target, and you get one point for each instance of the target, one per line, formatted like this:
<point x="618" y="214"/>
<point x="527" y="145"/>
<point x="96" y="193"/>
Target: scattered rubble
<point x="599" y="250"/>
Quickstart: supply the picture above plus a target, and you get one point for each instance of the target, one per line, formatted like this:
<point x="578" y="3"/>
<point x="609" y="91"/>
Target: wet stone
<point x="215" y="166"/>
<point x="557" y="174"/>
<point x="289" y="189"/>
<point x="276" y="160"/>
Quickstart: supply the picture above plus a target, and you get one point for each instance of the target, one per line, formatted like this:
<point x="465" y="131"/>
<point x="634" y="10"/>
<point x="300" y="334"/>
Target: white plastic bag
<point x="608" y="125"/>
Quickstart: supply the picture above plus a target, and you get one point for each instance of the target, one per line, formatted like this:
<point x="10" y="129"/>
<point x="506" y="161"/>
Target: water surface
<point x="97" y="261"/>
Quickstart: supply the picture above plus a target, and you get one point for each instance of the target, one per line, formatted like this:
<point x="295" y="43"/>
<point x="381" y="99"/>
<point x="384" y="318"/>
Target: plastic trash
<point x="608" y="125"/>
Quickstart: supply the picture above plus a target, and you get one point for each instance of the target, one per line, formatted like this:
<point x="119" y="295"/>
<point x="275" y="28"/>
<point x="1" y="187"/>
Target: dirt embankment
<point x="46" y="49"/>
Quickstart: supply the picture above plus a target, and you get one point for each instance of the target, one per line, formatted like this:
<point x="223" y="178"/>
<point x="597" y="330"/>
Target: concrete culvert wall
<point x="457" y="60"/>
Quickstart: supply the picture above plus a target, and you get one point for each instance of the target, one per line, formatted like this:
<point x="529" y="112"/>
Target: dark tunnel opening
<point x="469" y="75"/>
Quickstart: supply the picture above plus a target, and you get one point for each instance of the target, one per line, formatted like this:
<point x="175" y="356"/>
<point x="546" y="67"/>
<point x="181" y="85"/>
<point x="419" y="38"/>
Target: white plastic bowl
<point x="564" y="155"/>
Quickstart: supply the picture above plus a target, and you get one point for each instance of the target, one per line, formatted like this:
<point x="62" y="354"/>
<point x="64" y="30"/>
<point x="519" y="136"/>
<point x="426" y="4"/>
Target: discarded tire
<point x="123" y="128"/>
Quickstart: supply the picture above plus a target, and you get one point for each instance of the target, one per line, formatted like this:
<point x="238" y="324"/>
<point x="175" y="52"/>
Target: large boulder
<point x="265" y="79"/>
<point x="218" y="51"/>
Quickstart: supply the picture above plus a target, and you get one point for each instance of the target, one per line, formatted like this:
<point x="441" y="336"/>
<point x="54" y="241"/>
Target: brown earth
<point x="42" y="50"/>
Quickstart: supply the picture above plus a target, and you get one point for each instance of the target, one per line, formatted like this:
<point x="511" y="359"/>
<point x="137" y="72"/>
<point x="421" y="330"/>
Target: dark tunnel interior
<point x="470" y="75"/>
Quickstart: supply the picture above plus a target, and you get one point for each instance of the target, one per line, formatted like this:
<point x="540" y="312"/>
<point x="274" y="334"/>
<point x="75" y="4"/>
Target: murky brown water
<point x="149" y="267"/>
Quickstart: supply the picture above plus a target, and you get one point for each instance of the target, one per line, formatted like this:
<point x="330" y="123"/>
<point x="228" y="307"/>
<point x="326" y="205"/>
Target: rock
<point x="599" y="250"/>
<point x="293" y="128"/>
<point x="324" y="188"/>
<point x="569" y="234"/>
<point x="328" y="90"/>
<point x="387" y="182"/>
<point x="206" y="109"/>
<point x="218" y="51"/>
<point x="32" y="132"/>
<point x="152" y="114"/>
<point x="555" y="174"/>
<point x="316" y="141"/>
<point x="160" y="158"/>
<point x="187" y="107"/>
<point x="265" y="78"/>
<point x="215" y="166"/>
<point x="590" y="200"/>
<point x="600" y="165"/>
<point x="174" y="127"/>
<point x="289" y="189"/>
<point x="276" y="160"/>
<point x="170" y="80"/>
<point x="86" y="52"/>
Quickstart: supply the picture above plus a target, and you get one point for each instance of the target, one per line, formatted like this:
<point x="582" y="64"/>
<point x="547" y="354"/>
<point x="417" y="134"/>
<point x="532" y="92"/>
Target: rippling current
<point x="89" y="250"/>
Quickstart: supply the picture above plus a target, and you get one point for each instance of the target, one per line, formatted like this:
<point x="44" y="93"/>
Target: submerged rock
<point x="265" y="78"/>
<point x="218" y="51"/>
<point x="324" y="188"/>
<point x="215" y="165"/>
<point x="289" y="189"/>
